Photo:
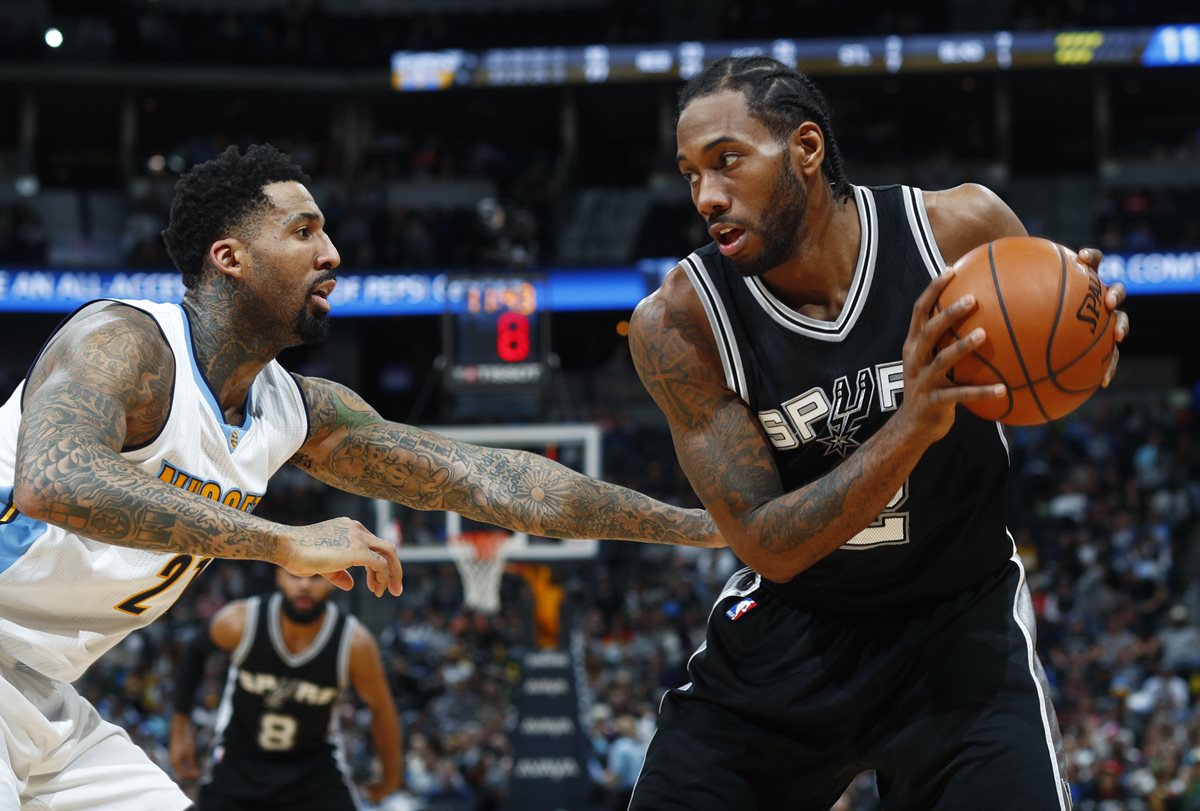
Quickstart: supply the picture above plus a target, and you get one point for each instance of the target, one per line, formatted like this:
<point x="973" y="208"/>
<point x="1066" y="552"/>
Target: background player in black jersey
<point x="274" y="745"/>
<point x="884" y="621"/>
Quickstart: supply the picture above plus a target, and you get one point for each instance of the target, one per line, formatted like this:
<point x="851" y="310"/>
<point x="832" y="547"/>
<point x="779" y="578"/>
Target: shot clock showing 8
<point x="495" y="333"/>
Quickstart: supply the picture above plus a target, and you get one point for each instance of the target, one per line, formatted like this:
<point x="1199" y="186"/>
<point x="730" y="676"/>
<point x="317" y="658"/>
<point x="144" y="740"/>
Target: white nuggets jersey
<point x="66" y="599"/>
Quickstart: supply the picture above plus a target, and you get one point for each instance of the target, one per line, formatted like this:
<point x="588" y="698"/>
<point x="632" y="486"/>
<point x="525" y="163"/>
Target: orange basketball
<point x="1049" y="335"/>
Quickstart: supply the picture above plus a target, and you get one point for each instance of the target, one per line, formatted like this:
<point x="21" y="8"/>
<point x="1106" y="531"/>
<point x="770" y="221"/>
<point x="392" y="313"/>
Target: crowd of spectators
<point x="1142" y="220"/>
<point x="513" y="230"/>
<point x="1103" y="507"/>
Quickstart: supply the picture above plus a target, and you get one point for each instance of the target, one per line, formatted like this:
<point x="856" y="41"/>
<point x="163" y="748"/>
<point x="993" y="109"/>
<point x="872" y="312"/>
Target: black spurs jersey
<point x="821" y="388"/>
<point x="278" y="705"/>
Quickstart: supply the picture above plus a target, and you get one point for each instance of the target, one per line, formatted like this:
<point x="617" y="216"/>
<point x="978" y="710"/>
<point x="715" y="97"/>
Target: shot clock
<point x="495" y="332"/>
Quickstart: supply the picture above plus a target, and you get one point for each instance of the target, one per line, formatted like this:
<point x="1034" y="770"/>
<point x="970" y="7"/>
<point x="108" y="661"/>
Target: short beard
<point x="311" y="329"/>
<point x="304" y="617"/>
<point x="781" y="227"/>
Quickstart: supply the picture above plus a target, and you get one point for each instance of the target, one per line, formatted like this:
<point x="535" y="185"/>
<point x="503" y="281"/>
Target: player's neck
<point x="816" y="281"/>
<point x="229" y="350"/>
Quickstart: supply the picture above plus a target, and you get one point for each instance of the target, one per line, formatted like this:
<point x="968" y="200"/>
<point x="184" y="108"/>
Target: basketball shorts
<point x="57" y="753"/>
<point x="946" y="701"/>
<point x="240" y="782"/>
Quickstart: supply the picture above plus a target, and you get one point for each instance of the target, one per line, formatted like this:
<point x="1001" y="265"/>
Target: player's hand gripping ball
<point x="1049" y="336"/>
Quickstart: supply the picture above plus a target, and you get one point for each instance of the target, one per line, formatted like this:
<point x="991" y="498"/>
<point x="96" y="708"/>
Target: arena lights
<point x="1167" y="45"/>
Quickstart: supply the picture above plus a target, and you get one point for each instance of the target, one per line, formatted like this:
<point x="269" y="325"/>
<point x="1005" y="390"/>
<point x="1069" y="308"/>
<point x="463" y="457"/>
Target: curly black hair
<point x="781" y="97"/>
<point x="218" y="198"/>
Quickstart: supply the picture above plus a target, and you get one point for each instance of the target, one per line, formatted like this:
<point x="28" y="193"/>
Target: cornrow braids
<point x="782" y="98"/>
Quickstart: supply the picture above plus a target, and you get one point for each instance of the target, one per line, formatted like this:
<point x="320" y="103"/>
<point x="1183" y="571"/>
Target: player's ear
<point x="807" y="149"/>
<point x="226" y="256"/>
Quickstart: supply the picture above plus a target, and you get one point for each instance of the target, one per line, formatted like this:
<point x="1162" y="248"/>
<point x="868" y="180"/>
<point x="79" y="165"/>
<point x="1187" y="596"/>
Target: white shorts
<point x="58" y="754"/>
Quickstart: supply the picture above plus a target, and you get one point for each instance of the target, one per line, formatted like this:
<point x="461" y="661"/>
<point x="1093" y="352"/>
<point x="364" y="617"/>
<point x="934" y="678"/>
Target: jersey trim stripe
<point x="303" y="406"/>
<point x="860" y="285"/>
<point x="233" y="433"/>
<point x="714" y="307"/>
<point x="1043" y="700"/>
<point x="224" y="711"/>
<point x="729" y="592"/>
<point x="275" y="631"/>
<point x="249" y="630"/>
<point x="18" y="533"/>
<point x="343" y="767"/>
<point x="918" y="221"/>
<point x="344" y="652"/>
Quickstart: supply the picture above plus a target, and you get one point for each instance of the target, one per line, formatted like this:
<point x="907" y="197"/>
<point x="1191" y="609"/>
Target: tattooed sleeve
<point x="352" y="448"/>
<point x="102" y="384"/>
<point x="722" y="449"/>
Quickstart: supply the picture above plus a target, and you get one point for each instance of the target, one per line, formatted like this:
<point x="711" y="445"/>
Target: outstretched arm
<point x="354" y="449"/>
<point x="105" y="382"/>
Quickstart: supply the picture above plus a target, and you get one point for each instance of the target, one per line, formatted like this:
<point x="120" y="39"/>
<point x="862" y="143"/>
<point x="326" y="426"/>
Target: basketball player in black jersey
<point x="883" y="622"/>
<point x="275" y="745"/>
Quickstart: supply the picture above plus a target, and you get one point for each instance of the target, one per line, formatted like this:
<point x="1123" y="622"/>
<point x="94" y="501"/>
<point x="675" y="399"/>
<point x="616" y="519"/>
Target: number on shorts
<point x="889" y="529"/>
<point x="174" y="570"/>
<point x="277" y="733"/>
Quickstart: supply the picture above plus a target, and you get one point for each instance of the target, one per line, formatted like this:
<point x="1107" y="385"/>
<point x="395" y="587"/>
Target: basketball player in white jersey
<point x="143" y="436"/>
<point x="276" y="744"/>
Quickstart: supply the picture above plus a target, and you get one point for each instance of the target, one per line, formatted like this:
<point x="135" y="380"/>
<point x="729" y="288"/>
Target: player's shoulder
<point x="968" y="215"/>
<point x="675" y="294"/>
<point x="112" y="347"/>
<point x="361" y="638"/>
<point x="364" y="648"/>
<point x="229" y="624"/>
<point x="117" y="328"/>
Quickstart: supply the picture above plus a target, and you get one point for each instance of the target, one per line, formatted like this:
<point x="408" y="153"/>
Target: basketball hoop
<point x="479" y="558"/>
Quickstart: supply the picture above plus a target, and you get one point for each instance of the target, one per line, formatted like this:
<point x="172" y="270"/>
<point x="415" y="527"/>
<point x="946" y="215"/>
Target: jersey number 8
<point x="277" y="733"/>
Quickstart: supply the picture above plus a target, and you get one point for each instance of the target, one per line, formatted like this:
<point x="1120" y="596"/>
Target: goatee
<point x="306" y="616"/>
<point x="312" y="329"/>
<point x="781" y="227"/>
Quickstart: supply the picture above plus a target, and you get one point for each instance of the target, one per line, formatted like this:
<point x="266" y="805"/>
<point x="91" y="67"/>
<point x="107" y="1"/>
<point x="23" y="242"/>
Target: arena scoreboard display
<point x="495" y="332"/>
<point x="1164" y="46"/>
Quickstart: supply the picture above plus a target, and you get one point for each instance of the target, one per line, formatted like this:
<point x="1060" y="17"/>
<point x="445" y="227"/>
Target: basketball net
<point x="479" y="558"/>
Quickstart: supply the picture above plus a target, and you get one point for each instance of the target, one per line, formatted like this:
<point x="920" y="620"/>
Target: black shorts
<point x="244" y="783"/>
<point x="946" y="702"/>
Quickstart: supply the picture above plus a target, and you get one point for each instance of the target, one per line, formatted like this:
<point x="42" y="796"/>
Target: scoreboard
<point x="495" y="332"/>
<point x="1164" y="46"/>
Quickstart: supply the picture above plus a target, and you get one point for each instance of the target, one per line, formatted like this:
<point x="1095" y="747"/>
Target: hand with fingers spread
<point x="1114" y="294"/>
<point x="929" y="394"/>
<point x="331" y="548"/>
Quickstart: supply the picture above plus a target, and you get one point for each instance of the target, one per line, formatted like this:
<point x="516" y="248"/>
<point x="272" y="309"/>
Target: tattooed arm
<point x="104" y="383"/>
<point x="354" y="449"/>
<point x="729" y="462"/>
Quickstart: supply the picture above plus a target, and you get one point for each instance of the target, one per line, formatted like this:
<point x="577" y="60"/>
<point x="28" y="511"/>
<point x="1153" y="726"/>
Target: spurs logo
<point x="799" y="421"/>
<point x="1089" y="308"/>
